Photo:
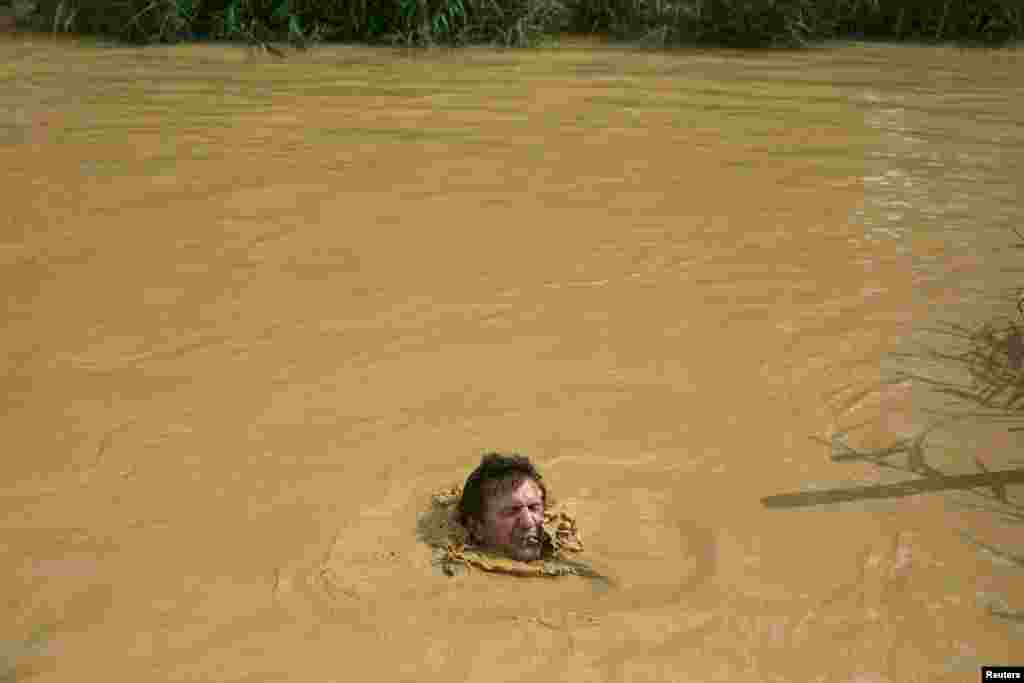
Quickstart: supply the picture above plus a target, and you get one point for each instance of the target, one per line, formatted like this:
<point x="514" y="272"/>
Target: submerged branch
<point x="1017" y="560"/>
<point x="937" y="482"/>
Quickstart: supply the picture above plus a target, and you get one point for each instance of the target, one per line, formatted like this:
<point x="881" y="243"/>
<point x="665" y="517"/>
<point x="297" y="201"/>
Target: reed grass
<point x="512" y="23"/>
<point x="655" y="23"/>
<point x="757" y="23"/>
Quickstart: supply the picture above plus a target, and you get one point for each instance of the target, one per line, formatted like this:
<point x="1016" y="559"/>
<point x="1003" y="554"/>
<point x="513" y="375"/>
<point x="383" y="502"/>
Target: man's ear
<point x="473" y="527"/>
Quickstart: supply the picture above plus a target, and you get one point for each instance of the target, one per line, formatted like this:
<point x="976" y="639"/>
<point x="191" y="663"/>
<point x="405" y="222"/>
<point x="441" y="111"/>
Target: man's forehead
<point x="516" y="489"/>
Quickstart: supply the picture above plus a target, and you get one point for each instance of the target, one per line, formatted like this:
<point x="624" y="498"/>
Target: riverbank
<point x="459" y="23"/>
<point x="10" y="26"/>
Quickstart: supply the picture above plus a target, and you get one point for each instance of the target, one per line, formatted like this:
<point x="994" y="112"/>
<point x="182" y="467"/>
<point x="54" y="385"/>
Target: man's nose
<point x="528" y="517"/>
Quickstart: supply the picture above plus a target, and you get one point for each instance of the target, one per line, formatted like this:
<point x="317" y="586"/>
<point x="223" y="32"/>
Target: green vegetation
<point x="793" y="23"/>
<point x="661" y="23"/>
<point x="305" y="22"/>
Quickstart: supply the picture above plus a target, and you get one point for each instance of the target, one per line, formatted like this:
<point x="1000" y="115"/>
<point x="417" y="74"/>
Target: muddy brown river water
<point x="256" y="312"/>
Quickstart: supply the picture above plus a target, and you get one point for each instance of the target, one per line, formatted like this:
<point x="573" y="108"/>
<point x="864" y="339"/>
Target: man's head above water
<point x="502" y="506"/>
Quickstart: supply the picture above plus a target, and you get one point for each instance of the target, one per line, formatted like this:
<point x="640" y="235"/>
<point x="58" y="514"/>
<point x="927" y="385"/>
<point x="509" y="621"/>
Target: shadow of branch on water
<point x="16" y="657"/>
<point x="937" y="482"/>
<point x="987" y="363"/>
<point x="1007" y="557"/>
<point x="980" y="372"/>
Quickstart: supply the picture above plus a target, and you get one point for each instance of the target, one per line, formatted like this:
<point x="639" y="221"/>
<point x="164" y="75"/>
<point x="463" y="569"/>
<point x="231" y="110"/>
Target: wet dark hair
<point x="494" y="468"/>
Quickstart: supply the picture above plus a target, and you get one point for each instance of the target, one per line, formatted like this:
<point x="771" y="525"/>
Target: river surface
<point x="257" y="311"/>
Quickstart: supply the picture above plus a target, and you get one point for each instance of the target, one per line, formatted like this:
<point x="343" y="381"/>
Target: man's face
<point x="512" y="521"/>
